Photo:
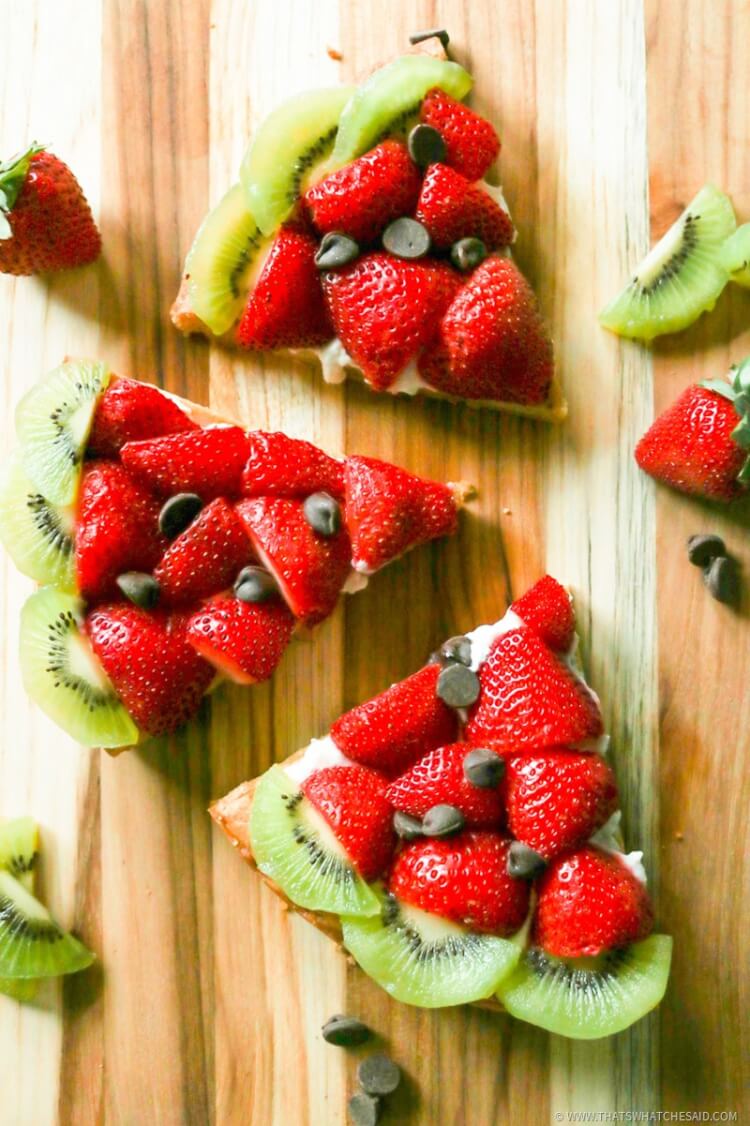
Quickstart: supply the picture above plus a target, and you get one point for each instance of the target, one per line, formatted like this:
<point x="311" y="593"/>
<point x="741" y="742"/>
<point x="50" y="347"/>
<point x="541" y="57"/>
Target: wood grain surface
<point x="208" y="999"/>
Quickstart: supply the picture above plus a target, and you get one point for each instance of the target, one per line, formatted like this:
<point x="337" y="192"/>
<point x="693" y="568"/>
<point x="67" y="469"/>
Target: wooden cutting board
<point x="207" y="1000"/>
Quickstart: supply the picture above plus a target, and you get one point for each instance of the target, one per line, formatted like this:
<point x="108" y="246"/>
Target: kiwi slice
<point x="735" y="256"/>
<point x="424" y="960"/>
<point x="294" y="846"/>
<point x="586" y="998"/>
<point x="37" y="534"/>
<point x="32" y="945"/>
<point x="285" y="148"/>
<point x="19" y="852"/>
<point x="62" y="675"/>
<point x="681" y="277"/>
<point x="389" y="99"/>
<point x="53" y="421"/>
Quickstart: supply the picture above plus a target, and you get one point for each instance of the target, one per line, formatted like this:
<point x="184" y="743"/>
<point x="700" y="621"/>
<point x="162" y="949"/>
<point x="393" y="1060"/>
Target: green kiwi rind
<point x="735" y="256"/>
<point x="32" y="945"/>
<point x="37" y="534"/>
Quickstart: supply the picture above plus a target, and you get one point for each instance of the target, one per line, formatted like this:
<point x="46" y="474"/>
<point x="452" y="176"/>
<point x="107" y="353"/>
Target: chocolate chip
<point x="406" y="826"/>
<point x="254" y="584"/>
<point x="364" y="1110"/>
<point x="426" y="146"/>
<point x="456" y="649"/>
<point x="720" y="576"/>
<point x="323" y="514"/>
<point x="457" y="686"/>
<point x="523" y="862"/>
<point x="703" y="548"/>
<point x="434" y="33"/>
<point x="336" y="249"/>
<point x="442" y="821"/>
<point x="468" y="253"/>
<point x="484" y="768"/>
<point x="345" y="1032"/>
<point x="378" y="1075"/>
<point x="140" y="588"/>
<point x="178" y="513"/>
<point x="406" y="238"/>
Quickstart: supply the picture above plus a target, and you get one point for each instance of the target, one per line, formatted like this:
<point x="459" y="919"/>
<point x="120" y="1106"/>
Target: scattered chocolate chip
<point x="720" y="576"/>
<point x="323" y="514"/>
<point x="702" y="549"/>
<point x="442" y="821"/>
<point x="336" y="249"/>
<point x="406" y="238"/>
<point x="523" y="862"/>
<point x="254" y="584"/>
<point x="364" y="1110"/>
<point x="457" y="686"/>
<point x="426" y="146"/>
<point x="178" y="513"/>
<point x="468" y="253"/>
<point x="406" y="826"/>
<point x="434" y="33"/>
<point x="345" y="1032"/>
<point x="140" y="588"/>
<point x="484" y="768"/>
<point x="378" y="1075"/>
<point x="456" y="649"/>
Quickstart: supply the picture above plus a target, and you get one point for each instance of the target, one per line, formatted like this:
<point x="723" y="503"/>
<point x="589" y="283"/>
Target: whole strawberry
<point x="353" y="801"/>
<point x="439" y="778"/>
<point x="45" y="221"/>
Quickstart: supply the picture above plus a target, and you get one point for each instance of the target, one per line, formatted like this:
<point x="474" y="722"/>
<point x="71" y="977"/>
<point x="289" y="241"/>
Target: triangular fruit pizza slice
<point x="459" y="834"/>
<point x="173" y="548"/>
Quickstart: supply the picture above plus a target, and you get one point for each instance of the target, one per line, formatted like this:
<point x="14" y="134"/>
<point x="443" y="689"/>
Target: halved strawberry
<point x="472" y="144"/>
<point x="547" y="608"/>
<point x="392" y="730"/>
<point x="157" y="675"/>
<point x="206" y="557"/>
<point x="129" y="411"/>
<point x="438" y="778"/>
<point x="530" y="699"/>
<point x="388" y="511"/>
<point x="353" y="801"/>
<point x="243" y="640"/>
<point x="117" y="529"/>
<point x="452" y="208"/>
<point x="289" y="467"/>
<point x="286" y="308"/>
<point x="309" y="568"/>
<point x="464" y="879"/>
<point x="385" y="309"/>
<point x="589" y="901"/>
<point x="361" y="198"/>
<point x="491" y="343"/>
<point x="208" y="462"/>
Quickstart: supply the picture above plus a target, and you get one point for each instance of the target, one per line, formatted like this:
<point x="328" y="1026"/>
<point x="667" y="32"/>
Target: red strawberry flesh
<point x="289" y="467"/>
<point x="472" y="144"/>
<point x="438" y="778"/>
<point x="353" y="801"/>
<point x="206" y="557"/>
<point x="129" y="411"/>
<point x="243" y="640"/>
<point x="208" y="462"/>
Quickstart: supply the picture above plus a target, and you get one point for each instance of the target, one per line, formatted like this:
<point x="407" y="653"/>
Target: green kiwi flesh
<point x="37" y="534"/>
<point x="294" y="846"/>
<point x="389" y="99"/>
<point x="53" y="421"/>
<point x="62" y="675"/>
<point x="588" y="998"/>
<point x="424" y="960"/>
<point x="681" y="277"/>
<point x="285" y="148"/>
<point x="19" y="852"/>
<point x="735" y="256"/>
<point x="32" y="945"/>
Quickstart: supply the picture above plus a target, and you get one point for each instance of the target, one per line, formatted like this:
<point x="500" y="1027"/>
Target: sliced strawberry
<point x="557" y="799"/>
<point x="491" y="343"/>
<point x="547" y="608"/>
<point x="464" y="879"/>
<point x="353" y="801"/>
<point x="117" y="529"/>
<point x="385" y="309"/>
<point x="206" y="557"/>
<point x="452" y="208"/>
<point x="157" y="675"/>
<point x="389" y="511"/>
<point x="309" y="568"/>
<point x="472" y="144"/>
<point x="243" y="640"/>
<point x="392" y="730"/>
<point x="361" y="198"/>
<point x="208" y="462"/>
<point x="286" y="309"/>
<point x="438" y="778"/>
<point x="289" y="467"/>
<point x="129" y="411"/>
<point x="589" y="902"/>
<point x="530" y="699"/>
